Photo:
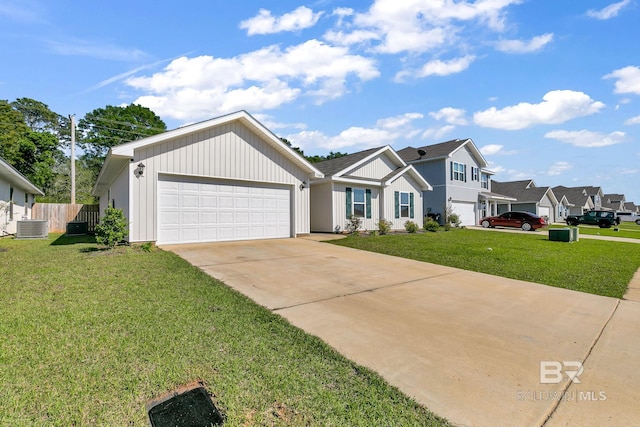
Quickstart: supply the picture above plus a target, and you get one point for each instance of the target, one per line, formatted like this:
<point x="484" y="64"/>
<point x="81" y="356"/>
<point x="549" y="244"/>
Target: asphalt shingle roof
<point x="333" y="166"/>
<point x="519" y="190"/>
<point x="574" y="195"/>
<point x="410" y="154"/>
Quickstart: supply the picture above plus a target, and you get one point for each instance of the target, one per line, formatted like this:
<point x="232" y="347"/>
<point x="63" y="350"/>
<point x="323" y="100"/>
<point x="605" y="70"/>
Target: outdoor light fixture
<point x="303" y="185"/>
<point x="139" y="170"/>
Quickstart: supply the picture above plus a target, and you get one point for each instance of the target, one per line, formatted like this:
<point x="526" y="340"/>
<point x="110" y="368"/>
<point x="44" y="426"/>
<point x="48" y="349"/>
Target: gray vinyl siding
<point x="229" y="151"/>
<point x="525" y="207"/>
<point x="553" y="209"/>
<point x="375" y="168"/>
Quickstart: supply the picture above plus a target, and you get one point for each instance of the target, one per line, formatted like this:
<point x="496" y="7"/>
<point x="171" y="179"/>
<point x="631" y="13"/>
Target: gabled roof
<point x="524" y="191"/>
<point x="338" y="168"/>
<point x="630" y="206"/>
<point x="11" y="175"/>
<point x="614" y="197"/>
<point x="577" y="196"/>
<point x="119" y="155"/>
<point x="442" y="150"/>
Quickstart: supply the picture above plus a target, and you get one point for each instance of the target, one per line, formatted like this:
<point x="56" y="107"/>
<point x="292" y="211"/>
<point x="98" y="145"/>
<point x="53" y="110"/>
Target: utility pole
<point x="73" y="158"/>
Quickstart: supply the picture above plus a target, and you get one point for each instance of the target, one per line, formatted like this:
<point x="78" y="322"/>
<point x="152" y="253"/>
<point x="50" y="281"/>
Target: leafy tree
<point x="30" y="151"/>
<point x="331" y="155"/>
<point x="58" y="191"/>
<point x="107" y="127"/>
<point x="39" y="118"/>
<point x="296" y="149"/>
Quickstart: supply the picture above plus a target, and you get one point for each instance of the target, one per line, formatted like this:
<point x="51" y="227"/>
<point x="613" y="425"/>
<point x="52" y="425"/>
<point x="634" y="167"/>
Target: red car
<point x="525" y="220"/>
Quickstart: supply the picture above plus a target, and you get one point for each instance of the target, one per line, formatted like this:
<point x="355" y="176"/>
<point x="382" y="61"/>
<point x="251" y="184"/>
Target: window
<point x="404" y="205"/>
<point x="26" y="204"/>
<point x="458" y="172"/>
<point x="358" y="202"/>
<point x="485" y="181"/>
<point x="475" y="174"/>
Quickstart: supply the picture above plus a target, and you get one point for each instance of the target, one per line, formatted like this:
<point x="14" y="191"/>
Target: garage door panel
<point x="465" y="211"/>
<point x="206" y="211"/>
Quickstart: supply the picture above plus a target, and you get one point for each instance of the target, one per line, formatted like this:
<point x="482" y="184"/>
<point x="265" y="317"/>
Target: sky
<point x="548" y="90"/>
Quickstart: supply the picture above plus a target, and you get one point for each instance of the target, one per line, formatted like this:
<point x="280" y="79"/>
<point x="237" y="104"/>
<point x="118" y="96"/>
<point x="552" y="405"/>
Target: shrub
<point x="112" y="228"/>
<point x="410" y="226"/>
<point x="353" y="225"/>
<point x="431" y="225"/>
<point x="447" y="227"/>
<point x="454" y="219"/>
<point x="384" y="226"/>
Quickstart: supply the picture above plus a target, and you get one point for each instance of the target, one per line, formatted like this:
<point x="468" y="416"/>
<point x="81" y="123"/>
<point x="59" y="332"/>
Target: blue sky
<point x="548" y="90"/>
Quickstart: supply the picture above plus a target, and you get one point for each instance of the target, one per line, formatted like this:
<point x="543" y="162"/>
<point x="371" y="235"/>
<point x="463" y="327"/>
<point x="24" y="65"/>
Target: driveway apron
<point x="467" y="345"/>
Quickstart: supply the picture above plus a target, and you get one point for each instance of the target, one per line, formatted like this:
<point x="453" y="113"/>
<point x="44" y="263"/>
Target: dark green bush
<point x="431" y="225"/>
<point x="112" y="229"/>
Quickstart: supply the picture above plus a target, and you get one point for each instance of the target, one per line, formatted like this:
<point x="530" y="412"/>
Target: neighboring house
<point x="372" y="184"/>
<point x="461" y="183"/>
<point x="17" y="196"/>
<point x="578" y="200"/>
<point x="596" y="194"/>
<point x="228" y="178"/>
<point x="631" y="207"/>
<point x="615" y="202"/>
<point x="564" y="208"/>
<point x="540" y="201"/>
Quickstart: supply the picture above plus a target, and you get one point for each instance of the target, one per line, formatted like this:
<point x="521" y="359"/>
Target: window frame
<point x="406" y="205"/>
<point x="484" y="181"/>
<point x="458" y="171"/>
<point x="475" y="173"/>
<point x="354" y="191"/>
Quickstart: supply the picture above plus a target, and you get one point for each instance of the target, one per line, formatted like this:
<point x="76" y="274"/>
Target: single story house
<point x="373" y="184"/>
<point x="17" y="196"/>
<point x="578" y="199"/>
<point x="615" y="202"/>
<point x="540" y="201"/>
<point x="228" y="178"/>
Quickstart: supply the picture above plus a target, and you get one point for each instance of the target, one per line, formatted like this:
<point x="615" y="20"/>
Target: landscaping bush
<point x="431" y="225"/>
<point x="454" y="219"/>
<point x="384" y="226"/>
<point x="353" y="225"/>
<point x="112" y="228"/>
<point x="410" y="226"/>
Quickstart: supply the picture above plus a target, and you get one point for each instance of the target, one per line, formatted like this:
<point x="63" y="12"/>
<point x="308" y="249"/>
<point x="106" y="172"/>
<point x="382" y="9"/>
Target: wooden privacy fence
<point x="59" y="214"/>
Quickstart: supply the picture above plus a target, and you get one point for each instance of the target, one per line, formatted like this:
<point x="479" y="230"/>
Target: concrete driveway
<point x="467" y="345"/>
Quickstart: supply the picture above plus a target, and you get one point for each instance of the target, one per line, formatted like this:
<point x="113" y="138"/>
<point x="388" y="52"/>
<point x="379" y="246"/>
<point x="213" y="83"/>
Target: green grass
<point x="87" y="337"/>
<point x="595" y="266"/>
<point x="629" y="230"/>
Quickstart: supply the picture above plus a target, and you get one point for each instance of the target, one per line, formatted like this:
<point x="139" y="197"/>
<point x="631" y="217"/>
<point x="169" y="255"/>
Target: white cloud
<point x="78" y="47"/>
<point x="454" y="116"/>
<point x="205" y="86"/>
<point x="24" y="11"/>
<point x="558" y="167"/>
<point x="608" y="12"/>
<point x="585" y="138"/>
<point x="495" y="150"/>
<point x="633" y="121"/>
<point x="419" y="26"/>
<point x="519" y="46"/>
<point x="386" y="131"/>
<point x="628" y="79"/>
<point x="444" y="68"/>
<point x="557" y="107"/>
<point x="438" y="133"/>
<point x="265" y="23"/>
<point x="396" y="122"/>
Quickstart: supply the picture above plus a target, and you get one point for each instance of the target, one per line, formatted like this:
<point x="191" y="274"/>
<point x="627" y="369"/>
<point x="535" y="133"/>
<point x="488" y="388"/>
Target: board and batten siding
<point x="340" y="206"/>
<point x="230" y="151"/>
<point x="119" y="192"/>
<point x="322" y="208"/>
<point x="375" y="168"/>
<point x="408" y="185"/>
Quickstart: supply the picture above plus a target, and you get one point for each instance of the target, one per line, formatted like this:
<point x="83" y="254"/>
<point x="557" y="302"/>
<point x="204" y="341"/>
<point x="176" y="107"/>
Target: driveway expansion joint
<point x="557" y="402"/>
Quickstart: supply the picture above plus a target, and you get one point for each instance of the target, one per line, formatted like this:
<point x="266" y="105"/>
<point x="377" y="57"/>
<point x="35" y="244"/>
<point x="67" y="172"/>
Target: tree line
<point x="36" y="141"/>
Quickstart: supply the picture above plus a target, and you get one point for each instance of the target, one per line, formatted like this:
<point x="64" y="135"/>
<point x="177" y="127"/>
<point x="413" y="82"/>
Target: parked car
<point x="525" y="220"/>
<point x="629" y="217"/>
<point x="603" y="219"/>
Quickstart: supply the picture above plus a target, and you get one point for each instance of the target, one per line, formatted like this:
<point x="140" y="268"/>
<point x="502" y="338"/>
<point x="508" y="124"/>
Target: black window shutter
<point x="410" y="205"/>
<point x="349" y="206"/>
<point x="464" y="171"/>
<point x="451" y="171"/>
<point x="397" y="203"/>
<point x="368" y="202"/>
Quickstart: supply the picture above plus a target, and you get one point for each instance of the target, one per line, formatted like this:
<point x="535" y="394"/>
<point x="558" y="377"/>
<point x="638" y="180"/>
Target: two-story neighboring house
<point x="461" y="183"/>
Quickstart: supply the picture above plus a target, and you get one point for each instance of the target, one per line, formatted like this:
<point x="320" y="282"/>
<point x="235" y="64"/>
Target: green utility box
<point x="560" y="234"/>
<point x="77" y="227"/>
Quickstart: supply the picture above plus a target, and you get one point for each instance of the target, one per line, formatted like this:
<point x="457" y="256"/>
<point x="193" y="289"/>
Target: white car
<point x="629" y="217"/>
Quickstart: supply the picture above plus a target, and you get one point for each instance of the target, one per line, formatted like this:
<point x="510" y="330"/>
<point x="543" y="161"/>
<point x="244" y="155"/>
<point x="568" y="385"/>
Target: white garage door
<point x="466" y="212"/>
<point x="197" y="210"/>
<point x="544" y="211"/>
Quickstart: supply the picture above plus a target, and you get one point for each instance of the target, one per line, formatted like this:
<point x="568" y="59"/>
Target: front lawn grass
<point x="88" y="336"/>
<point x="595" y="266"/>
<point x="627" y="229"/>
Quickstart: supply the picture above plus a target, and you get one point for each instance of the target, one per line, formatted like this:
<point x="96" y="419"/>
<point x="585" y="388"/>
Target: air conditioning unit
<point x="32" y="229"/>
